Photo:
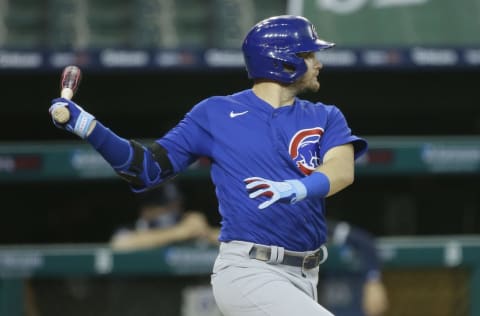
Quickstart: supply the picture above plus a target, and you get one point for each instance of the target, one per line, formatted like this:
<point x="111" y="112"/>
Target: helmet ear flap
<point x="285" y="68"/>
<point x="277" y="64"/>
<point x="293" y="67"/>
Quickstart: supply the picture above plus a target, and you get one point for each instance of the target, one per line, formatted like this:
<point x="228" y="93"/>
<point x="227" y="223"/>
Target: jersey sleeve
<point x="338" y="133"/>
<point x="189" y="139"/>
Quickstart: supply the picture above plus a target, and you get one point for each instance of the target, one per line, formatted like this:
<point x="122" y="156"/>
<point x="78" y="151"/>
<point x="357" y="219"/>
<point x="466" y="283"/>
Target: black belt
<point x="310" y="261"/>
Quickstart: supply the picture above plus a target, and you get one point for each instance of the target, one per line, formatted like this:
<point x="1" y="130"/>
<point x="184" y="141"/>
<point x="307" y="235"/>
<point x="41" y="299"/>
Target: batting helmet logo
<point x="304" y="149"/>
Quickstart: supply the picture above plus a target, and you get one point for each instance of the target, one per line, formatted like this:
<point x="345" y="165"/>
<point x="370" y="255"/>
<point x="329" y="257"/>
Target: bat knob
<point x="61" y="115"/>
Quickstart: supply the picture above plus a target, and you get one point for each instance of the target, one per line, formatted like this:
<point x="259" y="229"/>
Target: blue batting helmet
<point x="273" y="44"/>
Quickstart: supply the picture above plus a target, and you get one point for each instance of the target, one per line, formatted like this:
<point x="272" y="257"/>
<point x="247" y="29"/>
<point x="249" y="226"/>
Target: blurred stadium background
<point x="405" y="73"/>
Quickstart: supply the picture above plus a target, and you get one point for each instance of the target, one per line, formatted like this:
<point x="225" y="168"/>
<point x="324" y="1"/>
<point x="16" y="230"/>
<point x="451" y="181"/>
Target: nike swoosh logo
<point x="235" y="114"/>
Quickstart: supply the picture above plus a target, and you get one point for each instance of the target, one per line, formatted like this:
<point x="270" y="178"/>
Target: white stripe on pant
<point x="248" y="287"/>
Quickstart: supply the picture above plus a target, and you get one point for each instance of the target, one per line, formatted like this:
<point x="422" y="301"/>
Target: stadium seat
<point x="67" y="24"/>
<point x="233" y="19"/>
<point x="153" y="24"/>
<point x="109" y="23"/>
<point x="24" y="23"/>
<point x="192" y="22"/>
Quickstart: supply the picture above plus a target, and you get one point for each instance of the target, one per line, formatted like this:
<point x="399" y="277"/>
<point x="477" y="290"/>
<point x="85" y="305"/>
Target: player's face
<point x="309" y="80"/>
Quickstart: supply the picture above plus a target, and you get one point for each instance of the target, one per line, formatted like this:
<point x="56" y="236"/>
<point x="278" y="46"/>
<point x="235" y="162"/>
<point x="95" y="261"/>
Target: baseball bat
<point x="69" y="83"/>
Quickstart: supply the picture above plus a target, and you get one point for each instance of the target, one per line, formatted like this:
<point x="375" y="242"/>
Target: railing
<point x="184" y="260"/>
<point x="386" y="156"/>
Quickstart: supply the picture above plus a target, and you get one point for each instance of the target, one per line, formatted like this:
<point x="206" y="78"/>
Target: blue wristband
<point x="317" y="184"/>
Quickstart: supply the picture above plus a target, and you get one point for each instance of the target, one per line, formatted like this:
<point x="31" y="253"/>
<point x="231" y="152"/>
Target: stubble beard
<point x="306" y="85"/>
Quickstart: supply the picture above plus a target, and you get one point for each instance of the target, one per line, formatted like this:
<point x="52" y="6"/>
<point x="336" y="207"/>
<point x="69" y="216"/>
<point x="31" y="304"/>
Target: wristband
<point x="82" y="124"/>
<point x="317" y="184"/>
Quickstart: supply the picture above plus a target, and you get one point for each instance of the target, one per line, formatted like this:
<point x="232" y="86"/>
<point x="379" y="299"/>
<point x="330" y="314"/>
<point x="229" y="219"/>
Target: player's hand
<point x="80" y="120"/>
<point x="288" y="191"/>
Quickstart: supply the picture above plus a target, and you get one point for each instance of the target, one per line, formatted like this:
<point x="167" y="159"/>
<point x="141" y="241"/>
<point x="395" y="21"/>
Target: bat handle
<point x="67" y="93"/>
<point x="62" y="114"/>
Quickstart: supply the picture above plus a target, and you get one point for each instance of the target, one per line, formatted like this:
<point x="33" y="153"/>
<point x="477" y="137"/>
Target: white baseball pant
<point x="249" y="287"/>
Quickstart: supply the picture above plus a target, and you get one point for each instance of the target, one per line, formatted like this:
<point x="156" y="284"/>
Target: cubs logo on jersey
<point x="304" y="149"/>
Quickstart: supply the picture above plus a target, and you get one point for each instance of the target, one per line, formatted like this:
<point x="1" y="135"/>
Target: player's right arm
<point x="142" y="167"/>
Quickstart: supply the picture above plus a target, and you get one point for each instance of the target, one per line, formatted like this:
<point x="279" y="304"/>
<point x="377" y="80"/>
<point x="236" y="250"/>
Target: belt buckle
<point x="311" y="261"/>
<point x="260" y="253"/>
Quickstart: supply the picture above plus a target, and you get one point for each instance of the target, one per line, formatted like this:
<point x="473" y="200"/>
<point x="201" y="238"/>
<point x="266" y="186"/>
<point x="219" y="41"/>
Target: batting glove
<point x="288" y="191"/>
<point x="80" y="120"/>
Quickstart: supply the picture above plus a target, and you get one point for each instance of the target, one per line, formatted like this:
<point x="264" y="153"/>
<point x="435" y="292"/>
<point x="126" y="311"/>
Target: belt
<point x="277" y="255"/>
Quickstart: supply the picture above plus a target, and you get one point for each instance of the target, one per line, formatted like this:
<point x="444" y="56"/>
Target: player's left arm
<point x="338" y="167"/>
<point x="335" y="174"/>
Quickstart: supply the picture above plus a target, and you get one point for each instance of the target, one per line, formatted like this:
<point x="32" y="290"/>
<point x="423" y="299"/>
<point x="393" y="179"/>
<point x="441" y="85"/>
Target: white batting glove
<point x="289" y="191"/>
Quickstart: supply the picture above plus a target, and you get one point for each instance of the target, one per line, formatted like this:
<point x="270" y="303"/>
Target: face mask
<point x="164" y="220"/>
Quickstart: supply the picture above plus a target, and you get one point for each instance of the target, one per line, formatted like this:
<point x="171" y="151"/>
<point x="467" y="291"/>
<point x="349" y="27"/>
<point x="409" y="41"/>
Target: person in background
<point x="352" y="239"/>
<point x="162" y="220"/>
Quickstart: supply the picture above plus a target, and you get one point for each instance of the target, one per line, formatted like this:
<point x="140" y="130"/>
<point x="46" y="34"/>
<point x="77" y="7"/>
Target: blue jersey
<point x="244" y="137"/>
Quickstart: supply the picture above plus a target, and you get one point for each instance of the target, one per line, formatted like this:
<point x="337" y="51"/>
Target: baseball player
<point x="275" y="158"/>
